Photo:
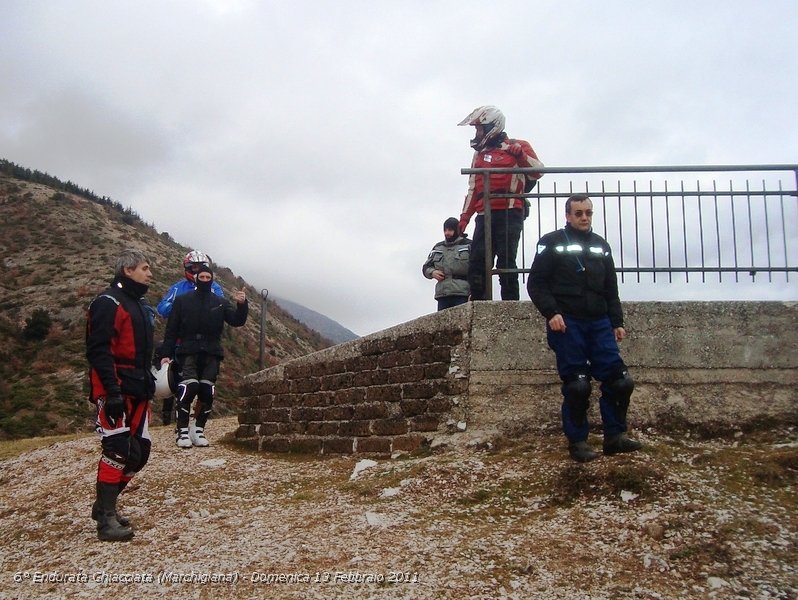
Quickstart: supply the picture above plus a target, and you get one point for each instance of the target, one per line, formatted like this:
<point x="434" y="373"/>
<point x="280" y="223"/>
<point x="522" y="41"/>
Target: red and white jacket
<point x="500" y="183"/>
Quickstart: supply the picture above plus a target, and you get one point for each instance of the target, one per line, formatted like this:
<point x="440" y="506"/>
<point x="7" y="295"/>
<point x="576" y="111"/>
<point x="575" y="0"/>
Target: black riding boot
<point x="581" y="452"/>
<point x="168" y="410"/>
<point x="108" y="526"/>
<point x="95" y="509"/>
<point x="620" y="442"/>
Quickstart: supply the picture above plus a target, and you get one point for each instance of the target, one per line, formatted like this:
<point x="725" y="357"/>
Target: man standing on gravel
<point x="119" y="341"/>
<point x="574" y="285"/>
<point x="197" y="319"/>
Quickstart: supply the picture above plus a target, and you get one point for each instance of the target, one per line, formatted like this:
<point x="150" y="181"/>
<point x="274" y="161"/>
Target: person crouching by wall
<point x="197" y="319"/>
<point x="447" y="264"/>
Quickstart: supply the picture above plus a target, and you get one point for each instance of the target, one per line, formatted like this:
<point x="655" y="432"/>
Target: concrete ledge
<point x="484" y="369"/>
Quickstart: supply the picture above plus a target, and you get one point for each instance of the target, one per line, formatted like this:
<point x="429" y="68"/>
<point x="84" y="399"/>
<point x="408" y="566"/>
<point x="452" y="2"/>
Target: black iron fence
<point x="693" y="222"/>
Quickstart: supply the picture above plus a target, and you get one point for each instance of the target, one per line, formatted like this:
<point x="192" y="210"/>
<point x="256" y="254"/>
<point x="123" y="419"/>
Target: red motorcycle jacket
<point x="500" y="183"/>
<point x="119" y="344"/>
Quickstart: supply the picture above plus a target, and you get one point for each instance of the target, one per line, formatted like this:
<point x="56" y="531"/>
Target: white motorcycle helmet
<point x="193" y="260"/>
<point x="492" y="120"/>
<point x="165" y="381"/>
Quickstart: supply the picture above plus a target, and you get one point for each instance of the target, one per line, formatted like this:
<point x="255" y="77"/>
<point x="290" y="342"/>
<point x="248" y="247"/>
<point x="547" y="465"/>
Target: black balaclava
<point x="203" y="286"/>
<point x="452" y="223"/>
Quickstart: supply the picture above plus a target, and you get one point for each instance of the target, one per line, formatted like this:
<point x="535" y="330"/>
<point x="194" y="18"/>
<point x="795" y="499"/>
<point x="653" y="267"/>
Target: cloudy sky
<point x="312" y="146"/>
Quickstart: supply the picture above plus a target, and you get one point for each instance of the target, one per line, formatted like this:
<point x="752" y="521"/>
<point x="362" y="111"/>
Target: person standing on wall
<point x="119" y="345"/>
<point x="574" y="285"/>
<point x="447" y="264"/>
<point x="493" y="148"/>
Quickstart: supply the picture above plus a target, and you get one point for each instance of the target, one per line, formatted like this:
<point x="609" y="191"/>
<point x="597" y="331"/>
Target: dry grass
<point x="12" y="448"/>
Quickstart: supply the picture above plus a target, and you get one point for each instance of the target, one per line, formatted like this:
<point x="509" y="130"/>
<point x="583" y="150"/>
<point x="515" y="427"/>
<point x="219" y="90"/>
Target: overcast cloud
<point x="312" y="147"/>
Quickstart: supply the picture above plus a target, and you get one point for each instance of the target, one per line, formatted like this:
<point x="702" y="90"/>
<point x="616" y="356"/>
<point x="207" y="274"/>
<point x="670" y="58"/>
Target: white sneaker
<point x="197" y="436"/>
<point x="183" y="440"/>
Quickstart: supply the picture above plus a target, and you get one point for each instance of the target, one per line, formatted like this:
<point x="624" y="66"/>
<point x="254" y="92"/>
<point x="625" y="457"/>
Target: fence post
<point x="488" y="295"/>
<point x="264" y="294"/>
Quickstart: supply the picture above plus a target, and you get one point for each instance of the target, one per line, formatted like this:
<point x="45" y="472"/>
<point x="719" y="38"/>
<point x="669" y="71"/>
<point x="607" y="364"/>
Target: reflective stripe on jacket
<point x="573" y="274"/>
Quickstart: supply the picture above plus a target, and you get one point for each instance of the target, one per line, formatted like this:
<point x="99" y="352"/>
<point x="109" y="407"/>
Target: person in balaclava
<point x="197" y="319"/>
<point x="119" y="334"/>
<point x="447" y="264"/>
<point x="192" y="262"/>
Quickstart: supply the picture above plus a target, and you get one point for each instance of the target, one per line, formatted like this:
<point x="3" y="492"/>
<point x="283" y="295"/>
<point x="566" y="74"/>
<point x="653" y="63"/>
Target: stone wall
<point x="384" y="393"/>
<point x="482" y="370"/>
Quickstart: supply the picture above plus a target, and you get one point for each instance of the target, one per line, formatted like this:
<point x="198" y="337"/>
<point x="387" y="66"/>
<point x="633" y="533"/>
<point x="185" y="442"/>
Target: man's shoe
<point x="166" y="417"/>
<point x="581" y="452"/>
<point x="183" y="441"/>
<point x="620" y="442"/>
<point x="197" y="436"/>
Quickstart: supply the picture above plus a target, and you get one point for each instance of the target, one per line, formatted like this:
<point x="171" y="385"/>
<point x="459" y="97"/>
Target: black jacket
<point x="573" y="274"/>
<point x="197" y="321"/>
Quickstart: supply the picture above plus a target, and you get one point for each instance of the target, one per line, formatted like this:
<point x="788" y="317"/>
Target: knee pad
<point x="145" y="446"/>
<point x="134" y="458"/>
<point x="139" y="455"/>
<point x="576" y="394"/>
<point x="207" y="390"/>
<point x="187" y="391"/>
<point x="577" y="387"/>
<point x="206" y="402"/>
<point x="116" y="450"/>
<point x="621" y="385"/>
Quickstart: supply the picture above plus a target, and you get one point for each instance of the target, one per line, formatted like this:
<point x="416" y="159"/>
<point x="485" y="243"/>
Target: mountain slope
<point x="57" y="250"/>
<point x="332" y="330"/>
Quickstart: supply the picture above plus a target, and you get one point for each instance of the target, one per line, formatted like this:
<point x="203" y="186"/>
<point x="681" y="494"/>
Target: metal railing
<point x="660" y="223"/>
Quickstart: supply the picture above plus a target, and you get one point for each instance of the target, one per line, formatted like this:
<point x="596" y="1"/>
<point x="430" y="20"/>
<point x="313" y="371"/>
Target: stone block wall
<point x="375" y="395"/>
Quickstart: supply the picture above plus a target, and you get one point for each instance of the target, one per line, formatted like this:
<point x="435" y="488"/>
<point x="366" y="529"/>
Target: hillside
<point x="328" y="328"/>
<point x="58" y="246"/>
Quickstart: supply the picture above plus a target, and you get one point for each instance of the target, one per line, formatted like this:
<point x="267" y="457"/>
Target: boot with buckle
<point x="197" y="436"/>
<point x="183" y="441"/>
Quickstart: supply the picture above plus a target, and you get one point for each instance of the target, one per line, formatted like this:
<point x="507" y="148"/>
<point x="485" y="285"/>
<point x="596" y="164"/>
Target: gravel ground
<point x="684" y="518"/>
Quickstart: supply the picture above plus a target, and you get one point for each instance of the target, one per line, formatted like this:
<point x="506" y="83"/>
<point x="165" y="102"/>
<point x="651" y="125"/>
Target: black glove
<point x="114" y="408"/>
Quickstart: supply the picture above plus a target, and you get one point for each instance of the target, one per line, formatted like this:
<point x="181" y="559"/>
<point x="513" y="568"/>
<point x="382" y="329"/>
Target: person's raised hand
<point x="515" y="149"/>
